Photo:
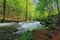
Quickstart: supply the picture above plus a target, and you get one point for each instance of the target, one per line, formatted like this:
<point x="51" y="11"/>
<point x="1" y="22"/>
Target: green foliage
<point x="26" y="36"/>
<point x="49" y="22"/>
<point x="43" y="9"/>
<point x="42" y="28"/>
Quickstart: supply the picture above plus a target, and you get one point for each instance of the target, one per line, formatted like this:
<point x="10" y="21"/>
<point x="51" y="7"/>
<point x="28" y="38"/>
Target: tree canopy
<point x="32" y="9"/>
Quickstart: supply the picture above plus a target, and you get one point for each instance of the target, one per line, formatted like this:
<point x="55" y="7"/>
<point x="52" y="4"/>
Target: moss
<point x="6" y="32"/>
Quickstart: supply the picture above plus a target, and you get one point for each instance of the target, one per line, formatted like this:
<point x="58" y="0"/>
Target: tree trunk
<point x="4" y="6"/>
<point x="26" y="10"/>
<point x="58" y="17"/>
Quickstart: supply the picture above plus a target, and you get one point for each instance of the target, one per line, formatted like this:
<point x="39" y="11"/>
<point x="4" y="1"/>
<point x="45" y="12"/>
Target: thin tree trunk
<point x="58" y="19"/>
<point x="4" y="4"/>
<point x="26" y="10"/>
<point x="57" y="6"/>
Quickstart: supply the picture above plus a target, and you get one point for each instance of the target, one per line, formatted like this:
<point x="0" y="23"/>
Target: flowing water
<point x="24" y="26"/>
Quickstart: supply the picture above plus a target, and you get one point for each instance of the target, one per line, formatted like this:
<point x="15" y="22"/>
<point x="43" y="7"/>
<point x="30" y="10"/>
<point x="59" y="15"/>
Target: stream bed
<point x="23" y="26"/>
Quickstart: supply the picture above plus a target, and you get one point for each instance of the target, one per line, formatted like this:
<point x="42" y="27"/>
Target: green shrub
<point x="28" y="35"/>
<point x="49" y="21"/>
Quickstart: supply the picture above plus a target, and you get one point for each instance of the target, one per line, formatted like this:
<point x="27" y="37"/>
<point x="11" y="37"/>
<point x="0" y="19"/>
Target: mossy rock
<point x="6" y="31"/>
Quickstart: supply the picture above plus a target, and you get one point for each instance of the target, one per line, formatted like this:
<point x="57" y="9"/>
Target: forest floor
<point x="47" y="34"/>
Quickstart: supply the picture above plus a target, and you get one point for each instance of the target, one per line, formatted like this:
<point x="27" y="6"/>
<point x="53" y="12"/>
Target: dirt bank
<point x="47" y="34"/>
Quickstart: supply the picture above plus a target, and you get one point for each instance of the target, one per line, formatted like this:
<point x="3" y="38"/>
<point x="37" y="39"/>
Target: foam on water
<point x="30" y="25"/>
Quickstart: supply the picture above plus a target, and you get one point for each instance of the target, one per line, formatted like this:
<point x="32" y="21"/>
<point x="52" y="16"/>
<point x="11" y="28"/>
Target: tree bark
<point x="4" y="8"/>
<point x="26" y="10"/>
